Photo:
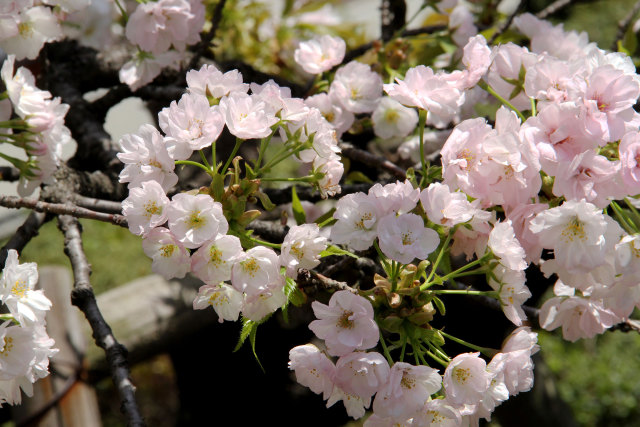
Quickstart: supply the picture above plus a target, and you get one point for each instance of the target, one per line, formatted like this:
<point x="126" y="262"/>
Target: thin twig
<point x="308" y="278"/>
<point x="9" y="173"/>
<point x="372" y="160"/>
<point x="61" y="209"/>
<point x="553" y="8"/>
<point x="362" y="49"/>
<point x="624" y="25"/>
<point x="506" y="24"/>
<point x="82" y="296"/>
<point x="23" y="235"/>
<point x="204" y="44"/>
<point x="280" y="196"/>
<point x="100" y="205"/>
<point x="627" y="326"/>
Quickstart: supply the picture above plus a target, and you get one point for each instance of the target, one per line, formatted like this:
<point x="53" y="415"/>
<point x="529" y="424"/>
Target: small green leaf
<point x="265" y="200"/>
<point x="357" y="176"/>
<point x="439" y="305"/>
<point x="217" y="187"/>
<point x="334" y="250"/>
<point x="252" y="339"/>
<point x="247" y="327"/>
<point x="325" y="217"/>
<point x="296" y="206"/>
<point x="294" y="295"/>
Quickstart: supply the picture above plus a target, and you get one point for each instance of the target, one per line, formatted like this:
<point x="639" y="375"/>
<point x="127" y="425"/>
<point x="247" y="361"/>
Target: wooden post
<point x="62" y="399"/>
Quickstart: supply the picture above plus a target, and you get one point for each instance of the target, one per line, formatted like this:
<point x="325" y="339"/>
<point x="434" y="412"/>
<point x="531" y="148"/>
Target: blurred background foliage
<point x="598" y="378"/>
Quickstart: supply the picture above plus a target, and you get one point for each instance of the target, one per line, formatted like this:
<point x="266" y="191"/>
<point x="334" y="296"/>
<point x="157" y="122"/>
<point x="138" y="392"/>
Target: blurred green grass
<point x="115" y="255"/>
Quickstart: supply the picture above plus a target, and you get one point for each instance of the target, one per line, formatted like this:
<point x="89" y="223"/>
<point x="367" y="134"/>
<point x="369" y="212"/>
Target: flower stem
<point x="434" y="267"/>
<point x="495" y="94"/>
<point x="200" y="165"/>
<point x="484" y="350"/>
<point x="385" y="350"/>
<point x="421" y="123"/>
<point x="232" y="155"/>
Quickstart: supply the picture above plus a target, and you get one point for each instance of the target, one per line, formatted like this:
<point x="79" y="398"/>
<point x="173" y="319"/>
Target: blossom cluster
<point x="405" y="394"/>
<point x="25" y="347"/>
<point x="161" y="30"/>
<point x="196" y="238"/>
<point x="40" y="129"/>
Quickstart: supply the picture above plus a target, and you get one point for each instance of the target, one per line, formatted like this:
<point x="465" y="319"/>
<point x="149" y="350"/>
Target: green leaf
<point x="334" y="250"/>
<point x="247" y="327"/>
<point x="296" y="206"/>
<point x="439" y="305"/>
<point x="357" y="176"/>
<point x="265" y="200"/>
<point x="294" y="295"/>
<point x="217" y="187"/>
<point x="252" y="339"/>
<point x="325" y="217"/>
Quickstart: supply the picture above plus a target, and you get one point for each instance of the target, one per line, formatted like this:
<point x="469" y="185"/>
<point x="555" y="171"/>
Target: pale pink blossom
<point x="313" y="369"/>
<point x="476" y="58"/>
<point x="406" y="391"/>
<point x="512" y="292"/>
<point x="190" y="124"/>
<point x="473" y="239"/>
<point x="346" y="324"/>
<point x="320" y="54"/>
<point x="503" y="244"/>
<point x="428" y="91"/>
<point x="226" y="301"/>
<point x="265" y="302"/>
<point x="212" y="262"/>
<point x="357" y="216"/>
<point x="354" y="404"/>
<point x="507" y="62"/>
<point x="144" y="67"/>
<point x="17" y="291"/>
<point x="580" y="317"/>
<point x="156" y="26"/>
<point x="591" y="177"/>
<point x="170" y="258"/>
<point x="210" y="81"/>
<point x="332" y="170"/>
<point x="194" y="219"/>
<point x="520" y="217"/>
<point x="404" y="238"/>
<point x="36" y="26"/>
<point x="445" y="207"/>
<point x="629" y="151"/>
<point x="466" y="379"/>
<point x="577" y="232"/>
<point x="438" y="413"/>
<point x="362" y="374"/>
<point x="356" y="87"/>
<point x="301" y="248"/>
<point x="245" y="116"/>
<point x="340" y="118"/>
<point x="397" y="197"/>
<point x="551" y="80"/>
<point x="393" y="120"/>
<point x="255" y="270"/>
<point x="145" y="207"/>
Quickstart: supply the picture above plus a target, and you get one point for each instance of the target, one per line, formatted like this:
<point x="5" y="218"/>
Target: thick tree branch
<point x="82" y="297"/>
<point x="107" y="206"/>
<point x="309" y="278"/>
<point x="9" y="173"/>
<point x="393" y="16"/>
<point x="23" y="235"/>
<point x="61" y="209"/>
<point x="369" y="159"/>
<point x="281" y="196"/>
<point x="205" y="42"/>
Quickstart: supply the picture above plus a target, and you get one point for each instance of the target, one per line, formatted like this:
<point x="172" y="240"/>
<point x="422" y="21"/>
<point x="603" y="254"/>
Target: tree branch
<point x="281" y="196"/>
<point x="309" y="278"/>
<point x="553" y="8"/>
<point x="61" y="209"/>
<point x="9" y="173"/>
<point x="369" y="159"/>
<point x="624" y="25"/>
<point x="82" y="296"/>
<point x="205" y="42"/>
<point x="23" y="235"/>
<point x="100" y="205"/>
<point x="506" y="24"/>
